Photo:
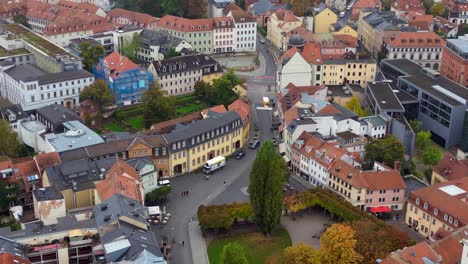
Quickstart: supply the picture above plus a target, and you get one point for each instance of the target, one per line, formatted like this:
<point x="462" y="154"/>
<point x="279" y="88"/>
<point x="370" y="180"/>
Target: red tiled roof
<point x="44" y="160"/>
<point x="449" y="248"/>
<point x="217" y="109"/>
<point x="408" y="5"/>
<point x="451" y="204"/>
<point x="184" y="24"/>
<point x="451" y="168"/>
<point x="141" y="19"/>
<point x="241" y="108"/>
<point x="167" y="126"/>
<point x="7" y="258"/>
<point x="11" y="8"/>
<point x="230" y="7"/>
<point x="290" y="115"/>
<point x="384" y="180"/>
<point x="330" y="109"/>
<point x="360" y="4"/>
<point x="218" y="22"/>
<point x="416" y="39"/>
<point x="121" y="179"/>
<point x="118" y="63"/>
<point x="349" y="174"/>
<point x="25" y="167"/>
<point x="311" y="52"/>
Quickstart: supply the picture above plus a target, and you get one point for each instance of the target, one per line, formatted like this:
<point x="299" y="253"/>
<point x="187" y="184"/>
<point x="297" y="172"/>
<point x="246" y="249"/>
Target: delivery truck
<point x="214" y="164"/>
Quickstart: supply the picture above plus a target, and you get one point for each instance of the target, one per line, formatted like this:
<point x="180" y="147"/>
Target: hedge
<point x="157" y="194"/>
<point x="223" y="216"/>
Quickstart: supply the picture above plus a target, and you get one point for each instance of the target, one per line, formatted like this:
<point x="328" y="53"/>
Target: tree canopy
<point x="9" y="145"/>
<point x="172" y="7"/>
<point x="423" y="140"/>
<point x="233" y="253"/>
<point x="157" y="106"/>
<point x="91" y="54"/>
<point x="355" y="106"/>
<point x="437" y="9"/>
<point x="431" y="156"/>
<point x="130" y="49"/>
<point x="99" y="92"/>
<point x="220" y="92"/>
<point x="300" y="253"/>
<point x="385" y="150"/>
<point x="21" y="19"/>
<point x="338" y="245"/>
<point x="266" y="184"/>
<point x="415" y="125"/>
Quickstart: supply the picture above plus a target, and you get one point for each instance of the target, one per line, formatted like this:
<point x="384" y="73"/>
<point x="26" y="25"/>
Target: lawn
<point x="257" y="247"/>
<point x="114" y="127"/>
<point x="190" y="108"/>
<point x="137" y="122"/>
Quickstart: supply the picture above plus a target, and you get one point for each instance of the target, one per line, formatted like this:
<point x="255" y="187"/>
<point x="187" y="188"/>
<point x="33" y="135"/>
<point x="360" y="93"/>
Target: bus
<point x="214" y="164"/>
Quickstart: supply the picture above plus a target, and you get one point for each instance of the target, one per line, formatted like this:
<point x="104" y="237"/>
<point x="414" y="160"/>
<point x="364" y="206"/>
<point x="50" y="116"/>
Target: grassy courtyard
<point x="258" y="248"/>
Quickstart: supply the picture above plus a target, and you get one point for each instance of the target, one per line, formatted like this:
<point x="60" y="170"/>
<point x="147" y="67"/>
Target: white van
<point x="342" y="14"/>
<point x="214" y="164"/>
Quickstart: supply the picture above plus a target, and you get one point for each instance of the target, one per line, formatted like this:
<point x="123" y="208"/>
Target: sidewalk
<point x="197" y="244"/>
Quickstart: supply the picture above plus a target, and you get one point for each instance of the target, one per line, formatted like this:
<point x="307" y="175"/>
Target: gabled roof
<point x="420" y="253"/>
<point x="141" y="18"/>
<point x="384" y="180"/>
<point x="185" y="24"/>
<point x="311" y="52"/>
<point x="416" y="39"/>
<point x="121" y="208"/>
<point x="451" y="168"/>
<point x="118" y="64"/>
<point x="408" y="5"/>
<point x="241" y="108"/>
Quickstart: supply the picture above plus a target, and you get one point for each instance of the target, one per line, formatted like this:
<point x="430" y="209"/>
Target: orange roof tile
<point x="290" y="115"/>
<point x="449" y="248"/>
<point x="141" y="19"/>
<point x="451" y="168"/>
<point x="384" y="180"/>
<point x="230" y="7"/>
<point x="241" y="108"/>
<point x="121" y="179"/>
<point x="311" y="52"/>
<point x="349" y="174"/>
<point x="9" y="258"/>
<point x="451" y="204"/>
<point x="416" y="39"/>
<point x="44" y="160"/>
<point x="360" y="4"/>
<point x="408" y="5"/>
<point x="330" y="109"/>
<point x="184" y="24"/>
<point x="118" y="64"/>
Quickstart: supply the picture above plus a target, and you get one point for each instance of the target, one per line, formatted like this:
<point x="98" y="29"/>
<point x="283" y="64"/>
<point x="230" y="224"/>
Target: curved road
<point x="235" y="174"/>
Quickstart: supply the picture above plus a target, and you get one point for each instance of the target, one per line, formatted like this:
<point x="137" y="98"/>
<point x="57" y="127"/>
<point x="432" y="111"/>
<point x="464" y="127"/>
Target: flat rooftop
<point x="385" y="97"/>
<point x="461" y="44"/>
<point x="13" y="52"/>
<point x="16" y="31"/>
<point x="404" y="65"/>
<point x="77" y="136"/>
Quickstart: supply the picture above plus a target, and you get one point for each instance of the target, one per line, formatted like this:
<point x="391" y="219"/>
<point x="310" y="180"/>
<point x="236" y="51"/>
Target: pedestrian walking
<point x="187" y="192"/>
<point x="183" y="243"/>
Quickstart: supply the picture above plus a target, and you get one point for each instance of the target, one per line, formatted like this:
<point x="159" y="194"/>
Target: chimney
<point x="396" y="165"/>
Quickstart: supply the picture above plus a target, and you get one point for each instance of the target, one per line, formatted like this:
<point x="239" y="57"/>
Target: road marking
<point x="264" y="108"/>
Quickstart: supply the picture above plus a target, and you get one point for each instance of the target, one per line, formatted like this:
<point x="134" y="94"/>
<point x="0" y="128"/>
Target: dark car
<point x="240" y="155"/>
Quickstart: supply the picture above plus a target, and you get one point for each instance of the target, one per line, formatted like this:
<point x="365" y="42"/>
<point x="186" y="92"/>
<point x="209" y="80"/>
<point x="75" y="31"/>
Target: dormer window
<point x="436" y="211"/>
<point x="425" y="205"/>
<point x="417" y="201"/>
<point x="429" y="40"/>
<point x="403" y="40"/>
<point x="164" y="68"/>
<point x="437" y="40"/>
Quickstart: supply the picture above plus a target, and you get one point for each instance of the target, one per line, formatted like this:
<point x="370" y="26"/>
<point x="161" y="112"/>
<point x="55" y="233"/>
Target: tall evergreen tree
<point x="266" y="183"/>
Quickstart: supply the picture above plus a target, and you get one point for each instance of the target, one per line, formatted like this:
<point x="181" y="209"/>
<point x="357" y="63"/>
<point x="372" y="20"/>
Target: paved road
<point x="224" y="186"/>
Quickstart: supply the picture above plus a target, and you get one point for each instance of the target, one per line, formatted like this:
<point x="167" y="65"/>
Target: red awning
<point x="380" y="209"/>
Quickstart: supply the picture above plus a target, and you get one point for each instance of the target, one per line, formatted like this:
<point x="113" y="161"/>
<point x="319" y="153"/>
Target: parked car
<point x="342" y="14"/>
<point x="254" y="144"/>
<point x="240" y="155"/>
<point x="262" y="41"/>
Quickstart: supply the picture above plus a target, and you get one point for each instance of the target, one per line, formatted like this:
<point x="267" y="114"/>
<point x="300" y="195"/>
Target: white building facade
<point x="245" y="31"/>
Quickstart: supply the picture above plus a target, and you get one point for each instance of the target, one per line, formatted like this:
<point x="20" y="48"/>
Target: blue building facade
<point x="125" y="78"/>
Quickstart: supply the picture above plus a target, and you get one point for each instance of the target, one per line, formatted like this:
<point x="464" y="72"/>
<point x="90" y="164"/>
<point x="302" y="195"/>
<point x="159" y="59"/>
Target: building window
<point x="425" y="205"/>
<point x="436" y="211"/>
<point x="417" y="201"/>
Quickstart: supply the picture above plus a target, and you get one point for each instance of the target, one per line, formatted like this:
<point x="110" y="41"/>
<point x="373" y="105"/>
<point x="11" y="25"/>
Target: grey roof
<point x="403" y="96"/>
<point x="405" y="66"/>
<point x="116" y="136"/>
<point x="64" y="76"/>
<point x="385" y="20"/>
<point x="16" y="110"/>
<point x="30" y="72"/>
<point x="159" y="38"/>
<point x="375" y="120"/>
<point x="112" y="209"/>
<point x="384" y="96"/>
<point x="47" y="194"/>
<point x="76" y="136"/>
<point x="337" y="90"/>
<point x="185" y="63"/>
<point x="263" y="6"/>
<point x="78" y="174"/>
<point x="140" y="163"/>
<point x="57" y="114"/>
<point x="112" y="147"/>
<point x="202" y="126"/>
<point x="147" y="257"/>
<point x="460" y="44"/>
<point x="25" y="72"/>
<point x="11" y="247"/>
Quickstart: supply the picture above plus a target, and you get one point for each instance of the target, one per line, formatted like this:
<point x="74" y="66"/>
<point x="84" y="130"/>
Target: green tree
<point x="427" y="4"/>
<point x="415" y="125"/>
<point x="130" y="49"/>
<point x="157" y="194"/>
<point x="172" y="53"/>
<point x="172" y="7"/>
<point x="21" y="19"/>
<point x="437" y="9"/>
<point x="240" y="3"/>
<point x="99" y="92"/>
<point x="233" y="253"/>
<point x="338" y="245"/>
<point x="387" y="4"/>
<point x="386" y="150"/>
<point x="8" y="194"/>
<point x="194" y="8"/>
<point x="300" y="253"/>
<point x="266" y="183"/>
<point x="157" y="106"/>
<point x="202" y="89"/>
<point x="431" y="156"/>
<point x="91" y="54"/>
<point x="423" y="139"/>
<point x="9" y="145"/>
<point x="299" y="7"/>
<point x="355" y="106"/>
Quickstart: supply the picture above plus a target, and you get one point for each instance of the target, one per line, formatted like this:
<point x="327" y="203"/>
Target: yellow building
<point x="210" y="76"/>
<point x="323" y="20"/>
<point x="346" y="30"/>
<point x="449" y="168"/>
<point x="338" y="72"/>
<point x="281" y="22"/>
<point x="191" y="146"/>
<point x="439" y="206"/>
<point x="243" y="109"/>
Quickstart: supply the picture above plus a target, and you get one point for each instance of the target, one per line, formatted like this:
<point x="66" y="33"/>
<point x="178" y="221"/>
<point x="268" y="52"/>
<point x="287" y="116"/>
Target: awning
<point x="286" y="159"/>
<point x="282" y="148"/>
<point x="75" y="233"/>
<point x="380" y="209"/>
